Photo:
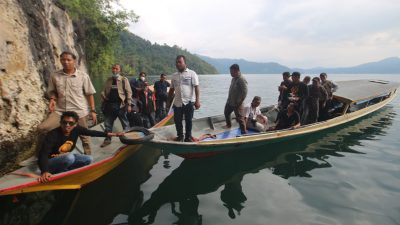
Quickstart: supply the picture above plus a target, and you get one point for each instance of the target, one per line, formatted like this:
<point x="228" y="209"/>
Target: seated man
<point x="55" y="154"/>
<point x="288" y="118"/>
<point x="255" y="120"/>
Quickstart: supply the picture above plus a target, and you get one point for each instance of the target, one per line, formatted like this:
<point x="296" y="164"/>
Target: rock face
<point x="33" y="34"/>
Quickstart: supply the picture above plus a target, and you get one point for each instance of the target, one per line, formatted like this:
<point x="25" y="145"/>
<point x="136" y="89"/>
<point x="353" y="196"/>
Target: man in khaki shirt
<point x="69" y="89"/>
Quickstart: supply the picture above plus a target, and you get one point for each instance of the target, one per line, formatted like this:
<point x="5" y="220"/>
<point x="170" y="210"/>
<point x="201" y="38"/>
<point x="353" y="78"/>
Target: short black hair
<point x="257" y="98"/>
<point x="323" y="74"/>
<point x="68" y="53"/>
<point x="142" y="73"/>
<point x="316" y="79"/>
<point x="296" y="74"/>
<point x="235" y="67"/>
<point x="117" y="64"/>
<point x="286" y="74"/>
<point x="163" y="75"/>
<point x="181" y="56"/>
<point x="70" y="114"/>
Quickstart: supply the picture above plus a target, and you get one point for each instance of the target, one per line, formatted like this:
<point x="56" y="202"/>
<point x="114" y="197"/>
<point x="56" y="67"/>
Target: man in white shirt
<point x="185" y="85"/>
<point x="255" y="120"/>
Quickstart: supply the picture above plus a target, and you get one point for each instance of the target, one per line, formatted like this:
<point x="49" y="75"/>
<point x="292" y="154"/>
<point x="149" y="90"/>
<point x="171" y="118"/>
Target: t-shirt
<point x="298" y="90"/>
<point x="184" y="84"/>
<point x="56" y="138"/>
<point x="250" y="112"/>
<point x="136" y="83"/>
<point x="161" y="89"/>
<point x="285" y="121"/>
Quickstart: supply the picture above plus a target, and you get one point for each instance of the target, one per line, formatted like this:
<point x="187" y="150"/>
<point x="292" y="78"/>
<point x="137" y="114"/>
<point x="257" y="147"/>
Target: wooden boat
<point x="353" y="99"/>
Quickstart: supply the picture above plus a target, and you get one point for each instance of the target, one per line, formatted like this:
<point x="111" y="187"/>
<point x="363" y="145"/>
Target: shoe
<point x="188" y="139"/>
<point x="105" y="143"/>
<point x="179" y="139"/>
<point x="86" y="149"/>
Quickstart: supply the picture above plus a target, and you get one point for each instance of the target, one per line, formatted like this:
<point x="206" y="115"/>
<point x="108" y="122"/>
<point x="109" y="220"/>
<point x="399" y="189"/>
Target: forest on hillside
<point x="102" y="31"/>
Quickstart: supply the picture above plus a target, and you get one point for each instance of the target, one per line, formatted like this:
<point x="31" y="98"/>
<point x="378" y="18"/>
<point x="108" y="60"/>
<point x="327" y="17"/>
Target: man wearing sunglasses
<point x="55" y="153"/>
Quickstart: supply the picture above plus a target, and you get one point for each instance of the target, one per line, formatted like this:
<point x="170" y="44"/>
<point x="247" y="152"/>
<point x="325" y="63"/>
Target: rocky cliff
<point x="33" y="34"/>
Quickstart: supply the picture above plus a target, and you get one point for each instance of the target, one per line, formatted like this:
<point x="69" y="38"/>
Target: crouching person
<point x="255" y="120"/>
<point x="55" y="153"/>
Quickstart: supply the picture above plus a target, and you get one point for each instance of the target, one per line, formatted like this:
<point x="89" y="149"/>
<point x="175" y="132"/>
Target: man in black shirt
<point x="298" y="92"/>
<point x="160" y="91"/>
<point x="288" y="118"/>
<point x="55" y="153"/>
<point x="283" y="89"/>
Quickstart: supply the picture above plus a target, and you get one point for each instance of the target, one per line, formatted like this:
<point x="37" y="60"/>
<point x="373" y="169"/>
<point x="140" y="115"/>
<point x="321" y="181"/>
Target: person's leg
<point x="152" y="119"/>
<point x="122" y="116"/>
<point x="158" y="109"/>
<point x="240" y="118"/>
<point x="188" y="111"/>
<point x="61" y="163"/>
<point x="81" y="160"/>
<point x="178" y="117"/>
<point x="85" y="139"/>
<point x="109" y="119"/>
<point x="227" y="112"/>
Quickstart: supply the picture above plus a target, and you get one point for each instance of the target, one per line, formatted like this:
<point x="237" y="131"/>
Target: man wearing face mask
<point x="137" y="85"/>
<point x="117" y="100"/>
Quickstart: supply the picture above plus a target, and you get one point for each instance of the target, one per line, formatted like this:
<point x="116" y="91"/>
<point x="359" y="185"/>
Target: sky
<point x="294" y="33"/>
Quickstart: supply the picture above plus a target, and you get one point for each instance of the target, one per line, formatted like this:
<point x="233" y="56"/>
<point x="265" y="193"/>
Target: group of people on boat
<point x="71" y="103"/>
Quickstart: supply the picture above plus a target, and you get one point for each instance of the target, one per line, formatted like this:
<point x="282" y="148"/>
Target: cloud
<point x="292" y="32"/>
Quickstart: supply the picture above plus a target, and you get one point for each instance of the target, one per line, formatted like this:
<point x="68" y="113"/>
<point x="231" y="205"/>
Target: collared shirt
<point x="251" y="112"/>
<point x="184" y="84"/>
<point x="124" y="92"/>
<point x="71" y="91"/>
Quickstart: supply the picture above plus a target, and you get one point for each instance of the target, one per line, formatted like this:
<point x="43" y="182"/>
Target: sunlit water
<point x="345" y="175"/>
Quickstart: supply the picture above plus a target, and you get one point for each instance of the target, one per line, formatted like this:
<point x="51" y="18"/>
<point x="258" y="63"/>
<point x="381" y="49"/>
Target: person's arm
<point x="52" y="93"/>
<point x="94" y="133"/>
<point x="197" y="93"/>
<point x="93" y="114"/>
<point x="243" y="90"/>
<point x="170" y="97"/>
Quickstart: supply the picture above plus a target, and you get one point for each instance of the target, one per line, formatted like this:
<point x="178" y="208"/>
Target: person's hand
<point x="52" y="105"/>
<point x="129" y="109"/>
<point x="197" y="104"/>
<point x="94" y="117"/>
<point x="45" y="177"/>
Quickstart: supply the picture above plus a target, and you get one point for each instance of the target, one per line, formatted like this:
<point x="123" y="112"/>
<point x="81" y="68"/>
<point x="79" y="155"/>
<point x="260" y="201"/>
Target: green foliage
<point x="137" y="54"/>
<point x="98" y="24"/>
<point x="101" y="24"/>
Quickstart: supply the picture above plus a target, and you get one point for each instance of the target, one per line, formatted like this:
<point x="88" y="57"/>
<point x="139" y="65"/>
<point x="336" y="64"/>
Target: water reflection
<point x="195" y="177"/>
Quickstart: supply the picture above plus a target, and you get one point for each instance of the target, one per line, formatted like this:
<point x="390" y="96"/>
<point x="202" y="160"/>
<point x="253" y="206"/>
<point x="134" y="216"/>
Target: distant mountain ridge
<point x="386" y="66"/>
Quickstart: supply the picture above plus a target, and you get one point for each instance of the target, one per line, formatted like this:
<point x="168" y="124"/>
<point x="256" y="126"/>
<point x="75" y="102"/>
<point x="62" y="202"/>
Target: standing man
<point x="137" y="85"/>
<point x="330" y="87"/>
<point x="117" y="100"/>
<point x="283" y="99"/>
<point x="237" y="95"/>
<point x="69" y="89"/>
<point x="148" y="106"/>
<point x="160" y="91"/>
<point x="185" y="85"/>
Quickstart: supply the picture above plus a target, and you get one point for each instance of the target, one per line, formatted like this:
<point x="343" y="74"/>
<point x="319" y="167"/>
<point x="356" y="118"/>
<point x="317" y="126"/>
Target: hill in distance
<point x="137" y="54"/>
<point x="386" y="66"/>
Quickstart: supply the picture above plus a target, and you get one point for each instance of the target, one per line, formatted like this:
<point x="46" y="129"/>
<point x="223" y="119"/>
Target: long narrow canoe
<point x="353" y="99"/>
<point x="24" y="180"/>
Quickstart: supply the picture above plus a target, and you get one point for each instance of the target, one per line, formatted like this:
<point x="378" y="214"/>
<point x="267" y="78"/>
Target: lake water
<point x="347" y="175"/>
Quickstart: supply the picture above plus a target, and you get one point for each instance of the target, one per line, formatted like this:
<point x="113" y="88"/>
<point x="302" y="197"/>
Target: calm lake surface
<point x="347" y="175"/>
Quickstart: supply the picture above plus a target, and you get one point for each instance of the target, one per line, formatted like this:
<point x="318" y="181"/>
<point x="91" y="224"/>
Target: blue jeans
<point x="68" y="161"/>
<point x="187" y="111"/>
<point x="112" y="116"/>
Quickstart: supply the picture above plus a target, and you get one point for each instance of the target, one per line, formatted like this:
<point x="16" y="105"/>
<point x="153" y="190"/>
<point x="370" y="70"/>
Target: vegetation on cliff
<point x="101" y="27"/>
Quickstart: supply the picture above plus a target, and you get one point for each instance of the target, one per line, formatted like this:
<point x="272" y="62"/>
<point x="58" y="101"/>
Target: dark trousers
<point x="161" y="112"/>
<point x="148" y="119"/>
<point x="135" y="119"/>
<point x="179" y="112"/>
<point x="238" y="110"/>
<point x="110" y="118"/>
